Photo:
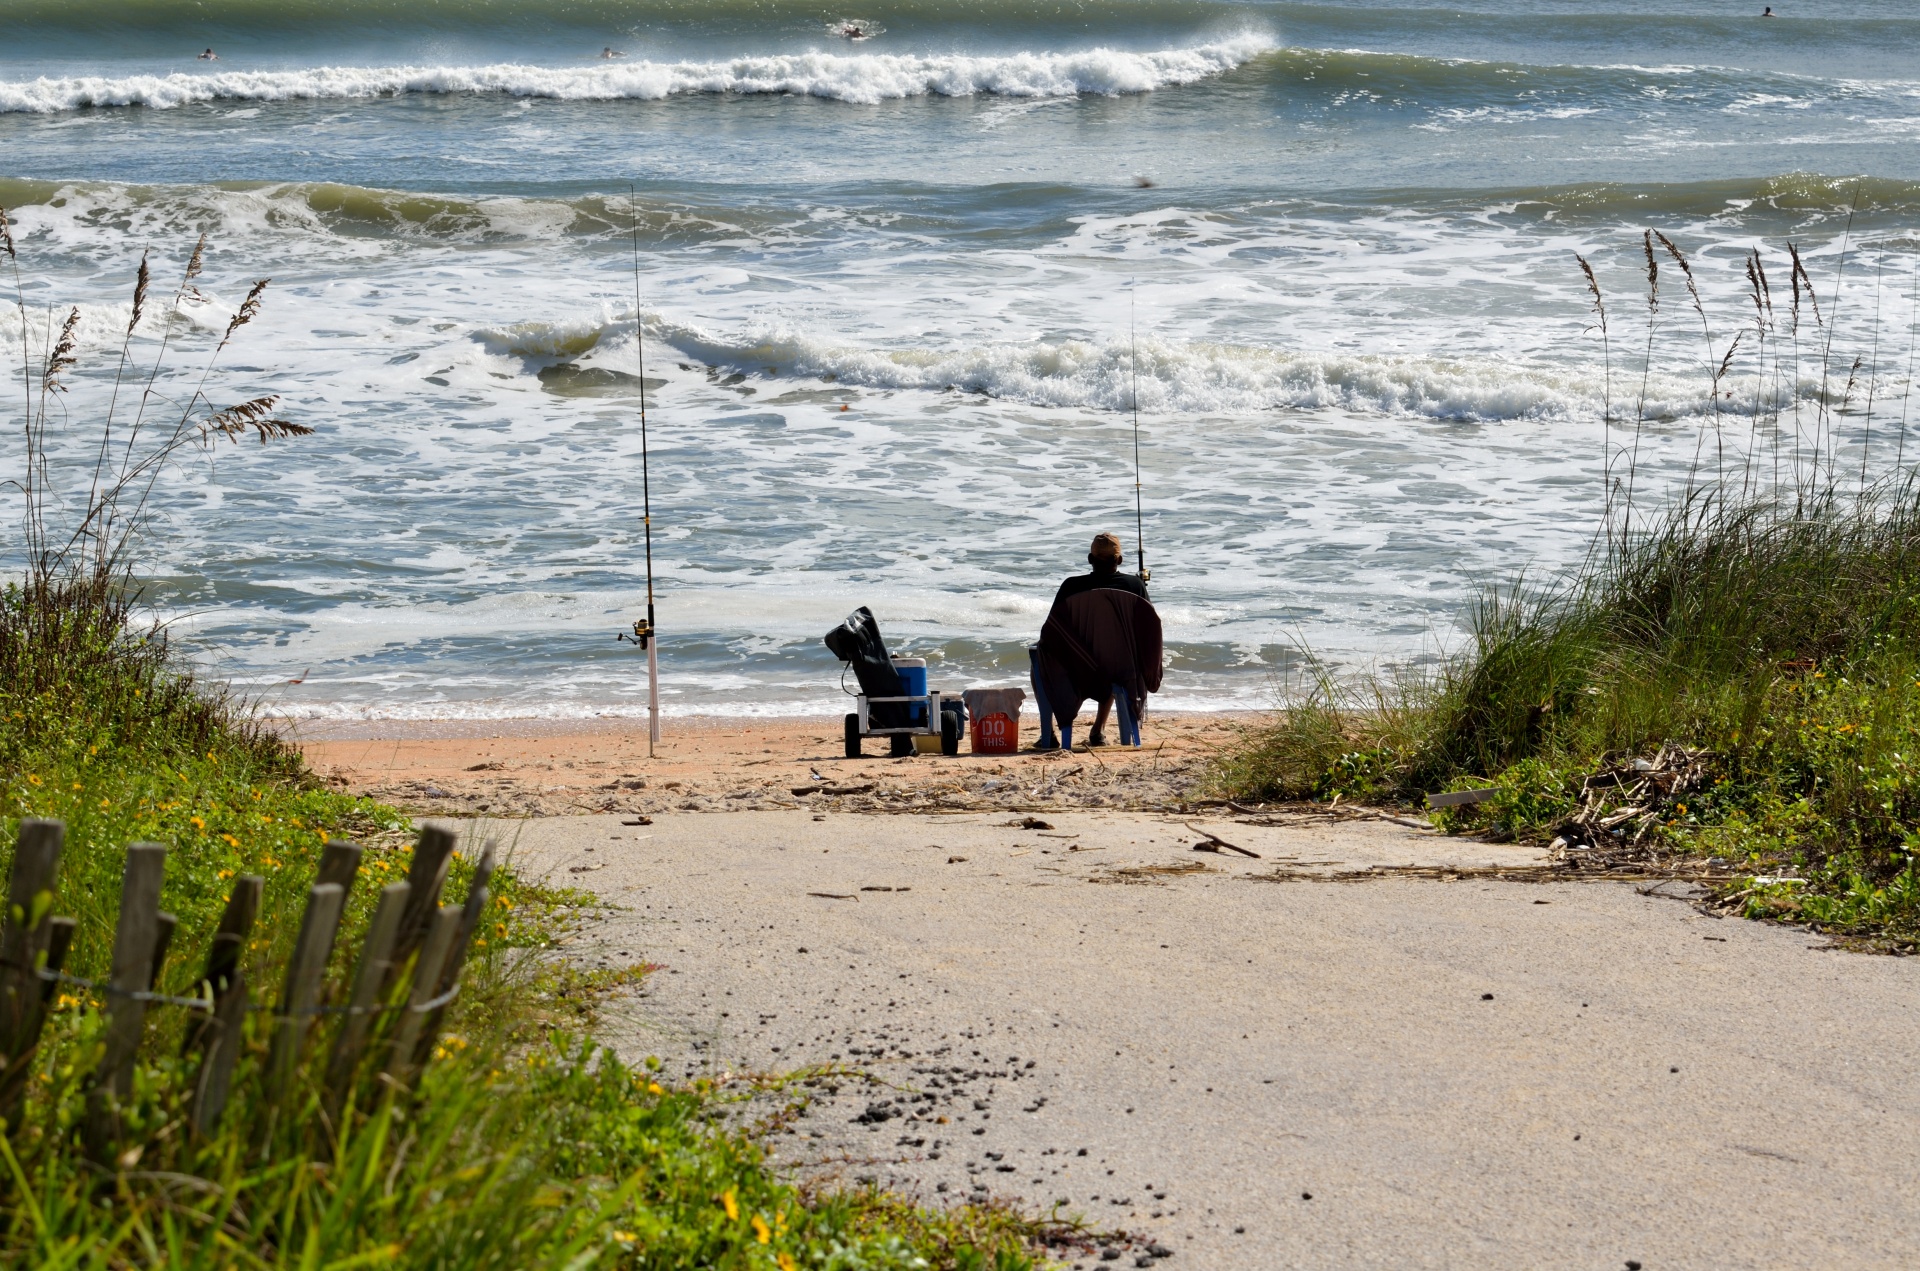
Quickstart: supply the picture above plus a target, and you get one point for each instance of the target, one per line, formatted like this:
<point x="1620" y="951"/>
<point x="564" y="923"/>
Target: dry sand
<point x="538" y="768"/>
<point x="1262" y="1067"/>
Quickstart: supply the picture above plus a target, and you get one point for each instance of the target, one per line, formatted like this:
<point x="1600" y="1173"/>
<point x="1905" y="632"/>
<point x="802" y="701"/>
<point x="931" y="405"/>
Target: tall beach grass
<point x="1764" y="608"/>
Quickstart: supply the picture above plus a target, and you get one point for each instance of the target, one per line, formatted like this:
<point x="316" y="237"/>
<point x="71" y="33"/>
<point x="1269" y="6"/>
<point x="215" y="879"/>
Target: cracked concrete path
<point x="1288" y="1073"/>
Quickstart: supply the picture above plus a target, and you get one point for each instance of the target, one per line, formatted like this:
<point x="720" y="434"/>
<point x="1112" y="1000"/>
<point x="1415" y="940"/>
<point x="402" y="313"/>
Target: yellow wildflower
<point x="196" y="823"/>
<point x="762" y="1232"/>
<point x="624" y="1237"/>
<point x="786" y="1263"/>
<point x="728" y="1203"/>
<point x="231" y="841"/>
<point x="32" y="780"/>
<point x="654" y="1087"/>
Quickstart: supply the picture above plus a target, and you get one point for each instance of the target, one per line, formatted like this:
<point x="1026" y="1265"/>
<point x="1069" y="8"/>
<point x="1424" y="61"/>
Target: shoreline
<point x="539" y="767"/>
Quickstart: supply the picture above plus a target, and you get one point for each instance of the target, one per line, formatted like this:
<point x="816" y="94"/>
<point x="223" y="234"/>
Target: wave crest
<point x="863" y="79"/>
<point x="1176" y="377"/>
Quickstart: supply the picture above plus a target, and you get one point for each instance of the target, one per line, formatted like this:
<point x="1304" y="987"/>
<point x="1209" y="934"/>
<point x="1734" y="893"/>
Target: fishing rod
<point x="1133" y="345"/>
<point x="645" y="634"/>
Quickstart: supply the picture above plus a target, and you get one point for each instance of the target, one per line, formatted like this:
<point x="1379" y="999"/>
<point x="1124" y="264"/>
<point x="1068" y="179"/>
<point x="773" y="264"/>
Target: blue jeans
<point x="1047" y="740"/>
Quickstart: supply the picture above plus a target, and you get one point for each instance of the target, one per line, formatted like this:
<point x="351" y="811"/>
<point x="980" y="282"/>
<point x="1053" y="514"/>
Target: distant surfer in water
<point x="1768" y="13"/>
<point x="611" y="52"/>
<point x="209" y="56"/>
<point x="853" y="31"/>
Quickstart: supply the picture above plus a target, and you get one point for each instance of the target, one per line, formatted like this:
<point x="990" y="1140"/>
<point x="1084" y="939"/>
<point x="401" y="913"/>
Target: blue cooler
<point x="913" y="681"/>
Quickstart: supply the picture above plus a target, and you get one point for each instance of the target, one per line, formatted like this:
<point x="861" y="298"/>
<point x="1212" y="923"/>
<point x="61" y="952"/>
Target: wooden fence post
<point x="376" y="961"/>
<point x="426" y="979"/>
<point x="432" y="857"/>
<point x="59" y="942"/>
<point x="25" y="931"/>
<point x="134" y="940"/>
<point x="302" y="992"/>
<point x="339" y="862"/>
<point x="164" y="924"/>
<point x="217" y="1037"/>
<point x="470" y="915"/>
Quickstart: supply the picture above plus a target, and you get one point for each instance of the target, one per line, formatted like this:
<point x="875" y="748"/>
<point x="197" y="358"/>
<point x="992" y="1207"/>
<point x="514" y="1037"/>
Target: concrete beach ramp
<point x="1262" y="1062"/>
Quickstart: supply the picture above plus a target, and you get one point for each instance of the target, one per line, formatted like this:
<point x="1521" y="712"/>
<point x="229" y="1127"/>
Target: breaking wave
<point x="858" y="78"/>
<point x="1174" y="377"/>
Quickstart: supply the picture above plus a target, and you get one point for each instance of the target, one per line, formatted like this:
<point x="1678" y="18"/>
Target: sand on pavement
<point x="1249" y="1067"/>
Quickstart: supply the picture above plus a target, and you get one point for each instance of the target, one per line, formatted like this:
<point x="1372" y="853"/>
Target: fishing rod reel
<point x="642" y="633"/>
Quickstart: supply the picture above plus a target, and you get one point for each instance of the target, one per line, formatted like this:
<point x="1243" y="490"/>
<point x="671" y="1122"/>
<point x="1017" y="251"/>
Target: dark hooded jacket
<point x="1094" y="641"/>
<point x="1102" y="576"/>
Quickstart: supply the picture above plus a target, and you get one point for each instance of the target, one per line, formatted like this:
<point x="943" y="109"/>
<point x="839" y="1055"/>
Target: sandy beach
<point x="514" y="768"/>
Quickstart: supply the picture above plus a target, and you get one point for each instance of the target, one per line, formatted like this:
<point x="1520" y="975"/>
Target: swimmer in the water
<point x="1768" y="13"/>
<point x="209" y="56"/>
<point x="610" y="52"/>
<point x="853" y="31"/>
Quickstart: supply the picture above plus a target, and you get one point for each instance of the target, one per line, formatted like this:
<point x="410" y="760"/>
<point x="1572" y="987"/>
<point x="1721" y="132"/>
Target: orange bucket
<point x="996" y="734"/>
<point x="993" y="716"/>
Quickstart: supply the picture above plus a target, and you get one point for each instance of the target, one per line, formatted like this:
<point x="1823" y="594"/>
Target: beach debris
<point x="956" y="860"/>
<point x="1217" y="842"/>
<point x="832" y="895"/>
<point x="1623" y="802"/>
<point x="1029" y="823"/>
<point x="491" y="766"/>
<point x="1150" y="873"/>
<point x="886" y="889"/>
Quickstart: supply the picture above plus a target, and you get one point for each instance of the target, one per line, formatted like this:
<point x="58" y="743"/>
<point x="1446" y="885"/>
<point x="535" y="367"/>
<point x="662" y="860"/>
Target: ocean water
<point x="899" y="298"/>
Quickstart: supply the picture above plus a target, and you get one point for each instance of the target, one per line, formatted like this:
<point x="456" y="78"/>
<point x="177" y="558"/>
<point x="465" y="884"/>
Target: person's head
<point x="1106" y="553"/>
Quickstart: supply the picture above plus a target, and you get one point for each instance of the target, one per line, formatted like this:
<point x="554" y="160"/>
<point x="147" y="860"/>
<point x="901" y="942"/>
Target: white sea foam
<point x="863" y="78"/>
<point x="1175" y="377"/>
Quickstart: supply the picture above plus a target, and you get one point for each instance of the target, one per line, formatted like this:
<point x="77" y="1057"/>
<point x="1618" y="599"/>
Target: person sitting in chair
<point x="1105" y="557"/>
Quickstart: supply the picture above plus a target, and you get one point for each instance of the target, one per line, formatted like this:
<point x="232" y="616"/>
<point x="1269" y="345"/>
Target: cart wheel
<point x="949" y="732"/>
<point x="853" y="736"/>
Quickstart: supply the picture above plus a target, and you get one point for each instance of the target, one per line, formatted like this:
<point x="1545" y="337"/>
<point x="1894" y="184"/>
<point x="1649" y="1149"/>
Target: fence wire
<point x="206" y="1005"/>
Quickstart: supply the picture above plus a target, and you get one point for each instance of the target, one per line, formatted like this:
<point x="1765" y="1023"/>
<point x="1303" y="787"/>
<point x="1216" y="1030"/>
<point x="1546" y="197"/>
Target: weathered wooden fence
<point x="407" y="974"/>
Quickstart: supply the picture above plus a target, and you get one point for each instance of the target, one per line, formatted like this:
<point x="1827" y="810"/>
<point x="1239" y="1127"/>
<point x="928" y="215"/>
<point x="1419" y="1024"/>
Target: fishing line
<point x="644" y="632"/>
<point x="1133" y="357"/>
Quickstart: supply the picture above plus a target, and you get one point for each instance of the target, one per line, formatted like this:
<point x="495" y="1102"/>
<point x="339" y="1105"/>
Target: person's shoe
<point x="1097" y="738"/>
<point x="1047" y="743"/>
